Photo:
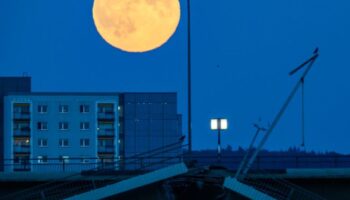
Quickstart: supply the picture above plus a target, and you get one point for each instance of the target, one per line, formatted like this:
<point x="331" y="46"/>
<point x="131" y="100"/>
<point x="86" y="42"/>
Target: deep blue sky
<point x="255" y="43"/>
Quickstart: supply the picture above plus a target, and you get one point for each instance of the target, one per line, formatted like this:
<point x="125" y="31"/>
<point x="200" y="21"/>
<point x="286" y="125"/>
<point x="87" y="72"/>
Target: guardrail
<point x="65" y="187"/>
<point x="106" y="132"/>
<point x="83" y="164"/>
<point x="276" y="162"/>
<point x="135" y="162"/>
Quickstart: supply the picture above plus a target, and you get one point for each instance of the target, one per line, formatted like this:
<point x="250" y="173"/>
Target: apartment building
<point x="43" y="129"/>
<point x="80" y="131"/>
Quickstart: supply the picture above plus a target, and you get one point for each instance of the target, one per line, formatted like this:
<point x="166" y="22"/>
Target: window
<point x="63" y="108"/>
<point x="64" y="159"/>
<point x="63" y="142"/>
<point x="42" y="126"/>
<point x="84" y="142"/>
<point x="42" y="159"/>
<point x="84" y="125"/>
<point x="42" y="142"/>
<point x="63" y="125"/>
<point x="42" y="108"/>
<point x="84" y="108"/>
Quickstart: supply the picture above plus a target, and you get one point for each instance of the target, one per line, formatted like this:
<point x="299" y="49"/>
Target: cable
<point x="302" y="113"/>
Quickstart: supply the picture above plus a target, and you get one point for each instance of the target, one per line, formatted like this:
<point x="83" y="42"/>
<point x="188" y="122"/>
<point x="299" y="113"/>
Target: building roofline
<point x="81" y="93"/>
<point x="13" y="77"/>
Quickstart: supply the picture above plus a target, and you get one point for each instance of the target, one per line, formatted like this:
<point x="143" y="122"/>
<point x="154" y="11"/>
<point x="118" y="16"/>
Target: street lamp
<point x="219" y="124"/>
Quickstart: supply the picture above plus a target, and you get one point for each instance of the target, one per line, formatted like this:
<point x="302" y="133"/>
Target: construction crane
<point x="302" y="100"/>
<point x="308" y="64"/>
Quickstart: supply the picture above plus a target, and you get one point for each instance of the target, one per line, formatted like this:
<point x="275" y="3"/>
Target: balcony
<point x="106" y="149"/>
<point x="21" y="149"/>
<point x="22" y="132"/>
<point x="107" y="132"/>
<point x="24" y="115"/>
<point x="107" y="116"/>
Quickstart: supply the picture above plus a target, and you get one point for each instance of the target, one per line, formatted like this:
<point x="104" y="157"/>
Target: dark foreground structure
<point x="190" y="179"/>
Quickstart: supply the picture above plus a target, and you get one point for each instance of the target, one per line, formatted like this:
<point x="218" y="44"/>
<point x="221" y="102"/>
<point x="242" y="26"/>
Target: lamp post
<point x="219" y="124"/>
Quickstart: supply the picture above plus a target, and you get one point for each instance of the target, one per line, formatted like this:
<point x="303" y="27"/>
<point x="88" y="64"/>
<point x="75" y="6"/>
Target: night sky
<point x="242" y="53"/>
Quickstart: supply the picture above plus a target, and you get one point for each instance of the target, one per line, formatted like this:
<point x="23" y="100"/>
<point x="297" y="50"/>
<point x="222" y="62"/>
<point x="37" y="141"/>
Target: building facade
<point x="150" y="121"/>
<point x="9" y="84"/>
<point x="80" y="131"/>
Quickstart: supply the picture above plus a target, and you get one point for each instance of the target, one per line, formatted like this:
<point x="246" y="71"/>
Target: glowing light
<point x="223" y="124"/>
<point x="216" y="124"/>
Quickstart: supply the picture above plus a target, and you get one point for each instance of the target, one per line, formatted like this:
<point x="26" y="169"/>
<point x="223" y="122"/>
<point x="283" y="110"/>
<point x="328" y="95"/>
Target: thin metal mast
<point x="189" y="89"/>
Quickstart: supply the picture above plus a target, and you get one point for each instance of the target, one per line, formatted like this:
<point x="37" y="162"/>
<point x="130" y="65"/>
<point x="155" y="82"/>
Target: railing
<point x="278" y="188"/>
<point x="80" y="182"/>
<point x="108" y="115"/>
<point x="279" y="162"/>
<point x="21" y="115"/>
<point x="21" y="132"/>
<point x="130" y="163"/>
<point x="106" y="149"/>
<point x="106" y="132"/>
<point x="72" y="184"/>
<point x="82" y="164"/>
<point x="21" y="149"/>
<point x="21" y="168"/>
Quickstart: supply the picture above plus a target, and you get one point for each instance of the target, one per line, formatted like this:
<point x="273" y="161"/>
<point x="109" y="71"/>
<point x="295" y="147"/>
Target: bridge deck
<point x="289" y="174"/>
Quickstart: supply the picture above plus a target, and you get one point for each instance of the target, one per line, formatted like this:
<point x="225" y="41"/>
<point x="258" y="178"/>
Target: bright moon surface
<point x="136" y="25"/>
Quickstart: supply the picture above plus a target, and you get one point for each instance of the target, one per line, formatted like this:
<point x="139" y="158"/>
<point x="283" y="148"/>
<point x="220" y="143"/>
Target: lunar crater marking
<point x="136" y="25"/>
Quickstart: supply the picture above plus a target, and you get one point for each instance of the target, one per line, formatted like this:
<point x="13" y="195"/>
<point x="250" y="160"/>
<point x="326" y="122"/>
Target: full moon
<point x="136" y="25"/>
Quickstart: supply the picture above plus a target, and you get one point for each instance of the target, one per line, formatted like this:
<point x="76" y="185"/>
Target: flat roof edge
<point x="82" y="93"/>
